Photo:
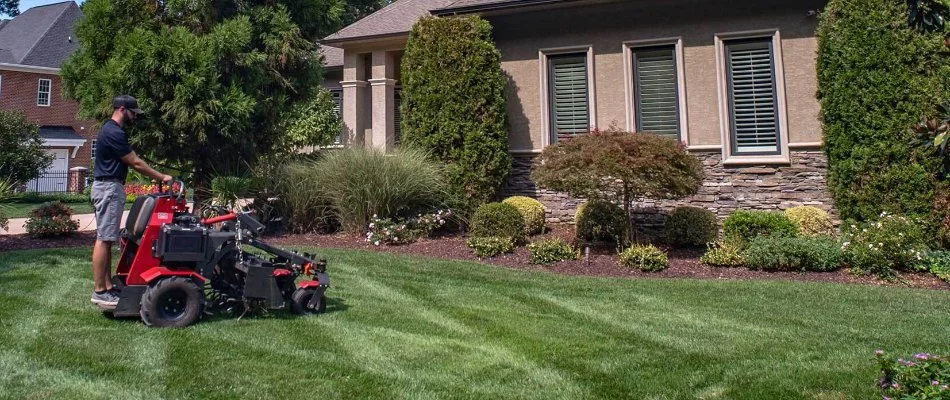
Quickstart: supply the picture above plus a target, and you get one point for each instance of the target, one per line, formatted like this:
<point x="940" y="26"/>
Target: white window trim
<point x="543" y="55"/>
<point x="49" y="95"/>
<point x="630" y="89"/>
<point x="724" y="114"/>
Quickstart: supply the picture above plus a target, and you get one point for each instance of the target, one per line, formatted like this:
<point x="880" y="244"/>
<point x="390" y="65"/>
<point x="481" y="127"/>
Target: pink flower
<point x="879" y="352"/>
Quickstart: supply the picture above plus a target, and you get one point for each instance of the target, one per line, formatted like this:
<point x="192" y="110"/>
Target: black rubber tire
<point x="173" y="302"/>
<point x="302" y="296"/>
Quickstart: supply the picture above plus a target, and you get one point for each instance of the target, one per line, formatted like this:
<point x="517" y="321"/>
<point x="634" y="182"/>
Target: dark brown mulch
<point x="24" y="242"/>
<point x="600" y="261"/>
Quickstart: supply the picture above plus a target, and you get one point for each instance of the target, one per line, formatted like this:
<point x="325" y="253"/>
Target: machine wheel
<point x="302" y="296"/>
<point x="174" y="302"/>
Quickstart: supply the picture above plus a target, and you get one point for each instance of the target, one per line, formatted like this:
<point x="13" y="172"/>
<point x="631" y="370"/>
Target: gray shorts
<point x="109" y="200"/>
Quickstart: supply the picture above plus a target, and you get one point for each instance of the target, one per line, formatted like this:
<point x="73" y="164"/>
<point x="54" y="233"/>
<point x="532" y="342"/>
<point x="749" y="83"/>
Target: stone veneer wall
<point x="725" y="189"/>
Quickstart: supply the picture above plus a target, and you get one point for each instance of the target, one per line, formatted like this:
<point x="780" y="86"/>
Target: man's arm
<point x="133" y="160"/>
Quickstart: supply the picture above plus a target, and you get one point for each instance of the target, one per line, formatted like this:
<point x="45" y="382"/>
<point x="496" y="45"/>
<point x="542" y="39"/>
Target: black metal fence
<point x="57" y="182"/>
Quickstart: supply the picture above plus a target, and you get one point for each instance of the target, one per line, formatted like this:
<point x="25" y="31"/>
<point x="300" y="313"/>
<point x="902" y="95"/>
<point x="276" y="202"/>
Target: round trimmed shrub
<point x="646" y="258"/>
<point x="691" y="227"/>
<point x="743" y="226"/>
<point x="498" y="219"/>
<point x="531" y="210"/>
<point x="600" y="220"/>
<point x="811" y="221"/>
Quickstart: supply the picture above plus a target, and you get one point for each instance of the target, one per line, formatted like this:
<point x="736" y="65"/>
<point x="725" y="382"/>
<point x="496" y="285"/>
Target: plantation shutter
<point x="397" y="116"/>
<point x="570" y="112"/>
<point x="338" y="109"/>
<point x="657" y="91"/>
<point x="752" y="97"/>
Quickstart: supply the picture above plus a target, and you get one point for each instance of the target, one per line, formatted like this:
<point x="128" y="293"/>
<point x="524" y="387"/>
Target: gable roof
<point x="43" y="36"/>
<point x="332" y="56"/>
<point x="395" y="19"/>
<point x="468" y="6"/>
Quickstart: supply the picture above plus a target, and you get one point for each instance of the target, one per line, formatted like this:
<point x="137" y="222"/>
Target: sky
<point x="25" y="4"/>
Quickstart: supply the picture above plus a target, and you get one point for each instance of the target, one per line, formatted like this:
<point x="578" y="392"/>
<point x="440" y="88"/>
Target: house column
<point x="355" y="95"/>
<point x="383" y="87"/>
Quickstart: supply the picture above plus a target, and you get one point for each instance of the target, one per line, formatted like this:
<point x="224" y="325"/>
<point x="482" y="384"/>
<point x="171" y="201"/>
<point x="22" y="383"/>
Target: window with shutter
<point x="657" y="90"/>
<point x="397" y="117"/>
<point x="569" y="95"/>
<point x="753" y="103"/>
<point x="338" y="109"/>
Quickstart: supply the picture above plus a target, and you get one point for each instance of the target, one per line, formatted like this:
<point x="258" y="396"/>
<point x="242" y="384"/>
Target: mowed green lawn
<point x="404" y="328"/>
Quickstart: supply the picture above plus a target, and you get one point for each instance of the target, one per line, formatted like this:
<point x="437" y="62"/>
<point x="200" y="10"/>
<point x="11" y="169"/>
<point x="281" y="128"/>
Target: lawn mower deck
<point x="175" y="267"/>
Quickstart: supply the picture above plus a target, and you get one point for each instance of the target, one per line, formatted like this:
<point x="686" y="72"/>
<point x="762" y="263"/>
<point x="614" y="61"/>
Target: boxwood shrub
<point x="819" y="254"/>
<point x="499" y="220"/>
<point x="532" y="211"/>
<point x="600" y="220"/>
<point x="691" y="227"/>
<point x="743" y="226"/>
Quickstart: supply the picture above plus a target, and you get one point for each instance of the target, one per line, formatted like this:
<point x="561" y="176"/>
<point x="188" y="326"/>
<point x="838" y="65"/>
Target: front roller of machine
<point x="175" y="267"/>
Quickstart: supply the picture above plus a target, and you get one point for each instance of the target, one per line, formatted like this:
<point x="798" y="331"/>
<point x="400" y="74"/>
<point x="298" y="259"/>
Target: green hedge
<point x="453" y="105"/>
<point x="877" y="77"/>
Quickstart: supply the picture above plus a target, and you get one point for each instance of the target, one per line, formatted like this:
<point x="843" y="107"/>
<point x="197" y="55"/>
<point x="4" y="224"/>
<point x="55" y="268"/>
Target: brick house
<point x="734" y="81"/>
<point x="33" y="45"/>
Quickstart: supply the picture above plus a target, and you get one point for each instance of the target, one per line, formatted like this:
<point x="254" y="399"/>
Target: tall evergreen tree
<point x="453" y="105"/>
<point x="220" y="80"/>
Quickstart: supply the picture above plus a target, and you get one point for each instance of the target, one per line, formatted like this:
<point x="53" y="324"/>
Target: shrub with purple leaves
<point x="924" y="376"/>
<point x="389" y="231"/>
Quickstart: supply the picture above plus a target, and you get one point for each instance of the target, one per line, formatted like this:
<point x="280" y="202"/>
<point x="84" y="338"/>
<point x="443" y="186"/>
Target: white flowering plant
<point x="404" y="231"/>
<point x="883" y="247"/>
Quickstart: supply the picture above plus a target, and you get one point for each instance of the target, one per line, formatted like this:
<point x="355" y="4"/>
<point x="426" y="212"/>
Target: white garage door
<point x="56" y="178"/>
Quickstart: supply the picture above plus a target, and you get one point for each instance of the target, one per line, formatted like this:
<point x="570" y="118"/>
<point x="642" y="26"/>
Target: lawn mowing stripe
<point x="150" y="354"/>
<point x="36" y="380"/>
<point x="380" y="290"/>
<point x="386" y="350"/>
<point x="811" y="340"/>
<point x="660" y="331"/>
<point x="30" y="326"/>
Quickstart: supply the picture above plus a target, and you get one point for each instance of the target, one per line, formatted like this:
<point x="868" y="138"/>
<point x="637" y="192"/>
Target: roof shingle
<point x="396" y="18"/>
<point x="42" y="36"/>
<point x="465" y="6"/>
<point x="332" y="56"/>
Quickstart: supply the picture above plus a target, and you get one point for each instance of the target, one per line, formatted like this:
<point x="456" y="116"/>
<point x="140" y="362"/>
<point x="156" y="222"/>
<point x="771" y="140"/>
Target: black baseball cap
<point x="128" y="102"/>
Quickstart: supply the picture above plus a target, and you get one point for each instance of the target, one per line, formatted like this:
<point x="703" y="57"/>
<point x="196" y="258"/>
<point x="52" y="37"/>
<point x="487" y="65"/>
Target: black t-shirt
<point x="111" y="145"/>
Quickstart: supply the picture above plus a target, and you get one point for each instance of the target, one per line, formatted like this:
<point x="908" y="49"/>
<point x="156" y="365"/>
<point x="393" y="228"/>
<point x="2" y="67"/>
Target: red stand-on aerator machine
<point x="175" y="267"/>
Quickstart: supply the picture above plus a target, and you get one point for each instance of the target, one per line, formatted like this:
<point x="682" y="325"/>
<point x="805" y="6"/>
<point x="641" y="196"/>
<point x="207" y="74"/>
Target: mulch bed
<point x="600" y="261"/>
<point x="24" y="242"/>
